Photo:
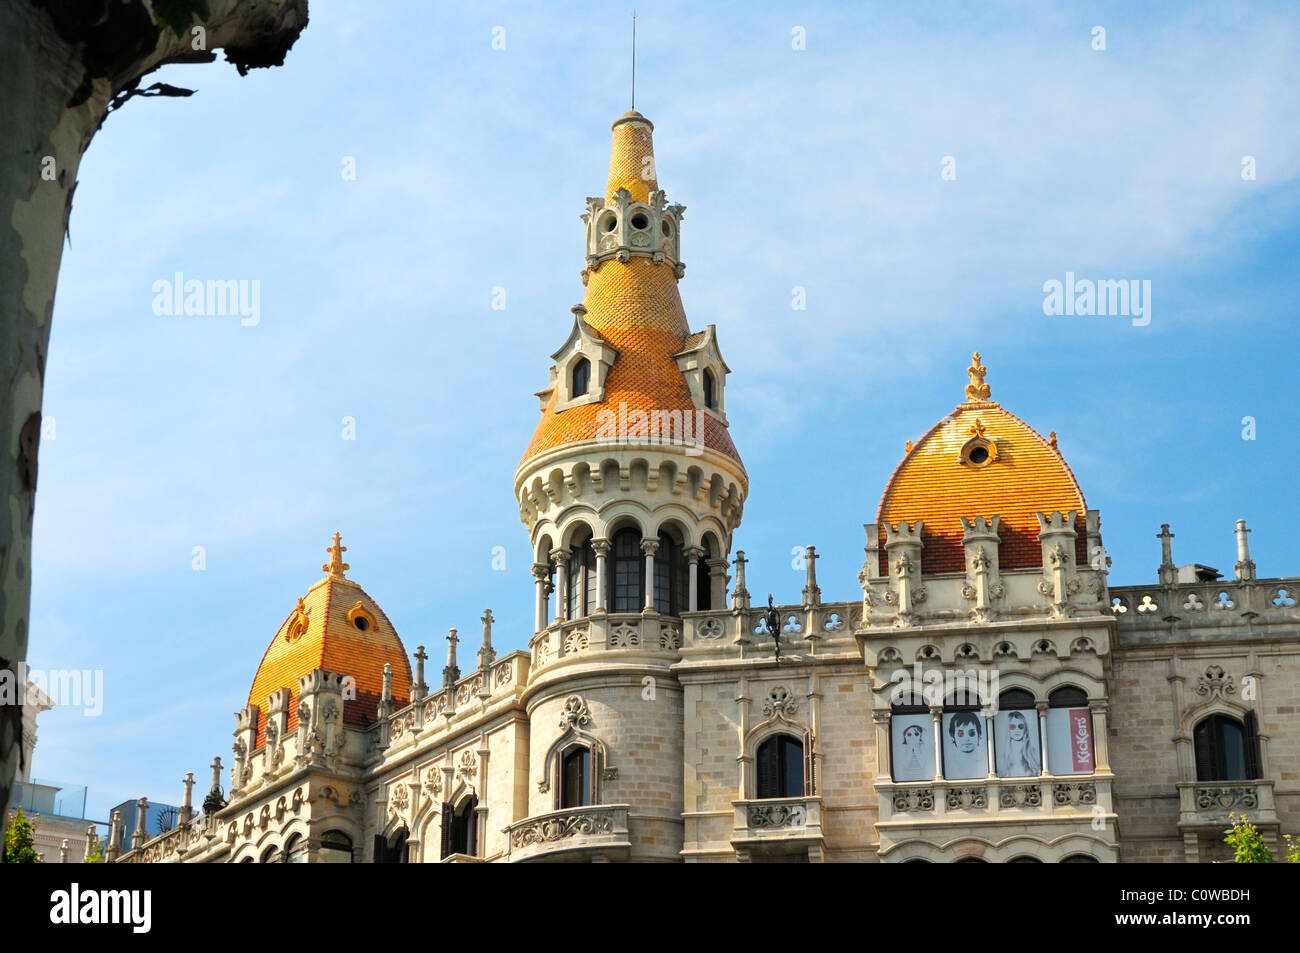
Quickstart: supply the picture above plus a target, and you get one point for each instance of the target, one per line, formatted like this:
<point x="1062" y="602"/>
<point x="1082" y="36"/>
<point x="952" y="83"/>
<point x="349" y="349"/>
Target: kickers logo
<point x="75" y="906"/>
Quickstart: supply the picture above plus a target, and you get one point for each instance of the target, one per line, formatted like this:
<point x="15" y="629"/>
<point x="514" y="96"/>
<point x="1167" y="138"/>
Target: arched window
<point x="335" y="848"/>
<point x="1069" y="732"/>
<point x="575" y="777"/>
<point x="627" y="590"/>
<point x="965" y="747"/>
<point x="778" y="767"/>
<point x="295" y="851"/>
<point x="911" y="740"/>
<point x="391" y="850"/>
<point x="1016" y="747"/>
<point x="460" y="828"/>
<point x="1026" y="859"/>
<point x="582" y="581"/>
<point x="1080" y="859"/>
<point x="1226" y="749"/>
<point x="670" y="577"/>
<point x="581" y="377"/>
<point x="710" y="390"/>
<point x="271" y="856"/>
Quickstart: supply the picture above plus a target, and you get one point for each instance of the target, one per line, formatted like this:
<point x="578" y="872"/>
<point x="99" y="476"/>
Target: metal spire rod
<point x="633" y="60"/>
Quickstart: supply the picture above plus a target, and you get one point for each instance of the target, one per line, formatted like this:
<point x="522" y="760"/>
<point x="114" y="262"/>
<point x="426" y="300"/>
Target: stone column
<point x="988" y="740"/>
<point x="92" y="838"/>
<point x="936" y="714"/>
<point x="1100" y="736"/>
<point x="114" y="837"/>
<point x="141" y="816"/>
<point x="718" y="584"/>
<point x="1042" y="707"/>
<point x="486" y="655"/>
<point x="740" y="595"/>
<point x="186" y="813"/>
<point x="451" y="671"/>
<point x="541" y="580"/>
<point x="812" y="593"/>
<point x="650" y="547"/>
<point x="1245" y="568"/>
<point x="419" y="689"/>
<point x="693" y="555"/>
<point x="386" y="692"/>
<point x="884" y="743"/>
<point x="560" y="559"/>
<point x="601" y="546"/>
<point x="1168" y="571"/>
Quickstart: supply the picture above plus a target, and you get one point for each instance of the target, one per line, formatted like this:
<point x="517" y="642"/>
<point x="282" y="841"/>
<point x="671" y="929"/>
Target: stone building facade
<point x="983" y="694"/>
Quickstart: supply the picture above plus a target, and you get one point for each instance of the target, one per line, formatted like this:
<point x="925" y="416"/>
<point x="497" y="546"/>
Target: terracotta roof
<point x="635" y="306"/>
<point x="331" y="641"/>
<point x="1028" y="477"/>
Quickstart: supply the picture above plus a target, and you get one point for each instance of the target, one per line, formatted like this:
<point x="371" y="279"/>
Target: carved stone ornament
<point x="1215" y="683"/>
<point x="575" y="713"/>
<point x="398" y="800"/>
<point x="779" y="701"/>
<point x="468" y="766"/>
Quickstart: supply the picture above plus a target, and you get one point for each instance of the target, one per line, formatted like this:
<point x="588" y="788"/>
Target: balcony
<point x="989" y="798"/>
<point x="595" y="833"/>
<point x="1205" y="805"/>
<point x="778" y="827"/>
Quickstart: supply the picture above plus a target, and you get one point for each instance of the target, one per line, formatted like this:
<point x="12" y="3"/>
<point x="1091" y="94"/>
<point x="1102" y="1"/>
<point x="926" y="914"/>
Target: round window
<point x="639" y="221"/>
<point x="362" y="623"/>
<point x="610" y="223"/>
<point x="979" y="455"/>
<point x="667" y="229"/>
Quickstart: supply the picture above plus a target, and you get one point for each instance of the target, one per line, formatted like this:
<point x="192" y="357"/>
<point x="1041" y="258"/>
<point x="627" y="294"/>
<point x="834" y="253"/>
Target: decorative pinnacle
<point x="976" y="390"/>
<point x="336" y="566"/>
<point x="977" y="428"/>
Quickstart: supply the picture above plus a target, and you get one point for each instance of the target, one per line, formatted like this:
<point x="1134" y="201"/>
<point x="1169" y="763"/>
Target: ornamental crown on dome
<point x="622" y="228"/>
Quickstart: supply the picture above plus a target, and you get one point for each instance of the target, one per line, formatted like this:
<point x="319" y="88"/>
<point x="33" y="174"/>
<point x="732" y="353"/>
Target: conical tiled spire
<point x="632" y="302"/>
<point x="632" y="160"/>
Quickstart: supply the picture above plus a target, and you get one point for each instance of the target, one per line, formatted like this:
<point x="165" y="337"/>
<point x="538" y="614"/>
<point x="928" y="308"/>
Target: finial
<point x="907" y="447"/>
<point x="977" y="429"/>
<point x="976" y="390"/>
<point x="1052" y="439"/>
<point x="336" y="566"/>
<point x="634" y="61"/>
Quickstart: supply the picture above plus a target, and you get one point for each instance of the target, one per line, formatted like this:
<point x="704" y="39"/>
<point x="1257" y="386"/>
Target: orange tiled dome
<point x="1023" y="476"/>
<point x="635" y="306"/>
<point x="323" y="632"/>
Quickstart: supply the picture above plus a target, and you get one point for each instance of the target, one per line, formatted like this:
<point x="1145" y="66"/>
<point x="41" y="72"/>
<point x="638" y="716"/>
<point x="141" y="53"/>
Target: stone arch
<point x="579" y="524"/>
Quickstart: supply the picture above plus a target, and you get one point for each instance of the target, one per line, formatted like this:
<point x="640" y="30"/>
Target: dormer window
<point x="705" y="372"/>
<point x="710" y="398"/>
<point x="581" y="377"/>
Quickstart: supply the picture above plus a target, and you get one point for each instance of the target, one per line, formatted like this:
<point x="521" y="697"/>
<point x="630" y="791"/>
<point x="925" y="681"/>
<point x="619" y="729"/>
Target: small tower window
<point x="575" y="778"/>
<point x="639" y="221"/>
<point x="778" y="767"/>
<point x="710" y="390"/>
<point x="581" y="377"/>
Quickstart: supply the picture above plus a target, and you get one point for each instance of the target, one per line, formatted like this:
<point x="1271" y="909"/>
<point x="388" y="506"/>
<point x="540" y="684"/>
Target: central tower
<point x="631" y="487"/>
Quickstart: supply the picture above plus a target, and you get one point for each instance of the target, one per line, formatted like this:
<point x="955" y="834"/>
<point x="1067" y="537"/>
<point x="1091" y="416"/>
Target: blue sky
<point x="817" y="168"/>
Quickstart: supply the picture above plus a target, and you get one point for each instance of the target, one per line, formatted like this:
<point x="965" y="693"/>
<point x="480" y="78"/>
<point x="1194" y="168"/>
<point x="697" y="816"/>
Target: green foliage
<point x="1247" y="844"/>
<point x="1292" y="849"/>
<point x="179" y="14"/>
<point x="20" y="838"/>
<point x="96" y="856"/>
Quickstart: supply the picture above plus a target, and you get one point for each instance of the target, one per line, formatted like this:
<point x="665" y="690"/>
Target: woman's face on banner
<point x="912" y="736"/>
<point x="1017" y="728"/>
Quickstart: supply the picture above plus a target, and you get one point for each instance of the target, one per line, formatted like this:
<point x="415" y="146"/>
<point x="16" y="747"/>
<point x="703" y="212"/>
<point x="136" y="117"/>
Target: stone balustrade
<point x="591" y="833"/>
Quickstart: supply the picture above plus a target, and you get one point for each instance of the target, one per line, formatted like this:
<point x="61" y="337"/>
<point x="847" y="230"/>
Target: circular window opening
<point x="639" y="221"/>
<point x="667" y="229"/>
<point x="979" y="455"/>
<point x="610" y="223"/>
<point x="362" y="623"/>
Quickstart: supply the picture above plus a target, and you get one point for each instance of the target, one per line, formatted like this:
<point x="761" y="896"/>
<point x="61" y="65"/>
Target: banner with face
<point x="965" y="749"/>
<point x="912" y="744"/>
<point x="1015" y="743"/>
